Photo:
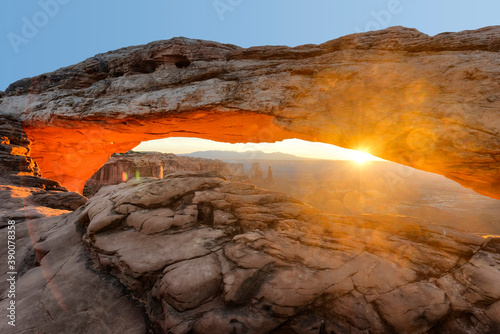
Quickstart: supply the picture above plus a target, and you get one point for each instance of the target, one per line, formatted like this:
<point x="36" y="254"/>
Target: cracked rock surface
<point x="57" y="291"/>
<point x="205" y="255"/>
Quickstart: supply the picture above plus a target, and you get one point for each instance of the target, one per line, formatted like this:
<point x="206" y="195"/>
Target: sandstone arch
<point x="427" y="102"/>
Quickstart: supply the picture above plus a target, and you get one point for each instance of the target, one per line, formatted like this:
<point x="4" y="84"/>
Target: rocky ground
<point x="206" y="255"/>
<point x="57" y="289"/>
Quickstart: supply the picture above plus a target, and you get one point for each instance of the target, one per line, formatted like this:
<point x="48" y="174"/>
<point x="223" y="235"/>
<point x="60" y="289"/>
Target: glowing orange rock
<point x="73" y="155"/>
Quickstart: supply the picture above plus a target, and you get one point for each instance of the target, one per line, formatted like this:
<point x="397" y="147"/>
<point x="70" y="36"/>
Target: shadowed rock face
<point x="206" y="255"/>
<point x="427" y="102"/>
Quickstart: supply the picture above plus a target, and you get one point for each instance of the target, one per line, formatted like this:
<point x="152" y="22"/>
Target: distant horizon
<point x="295" y="147"/>
<point x="293" y="156"/>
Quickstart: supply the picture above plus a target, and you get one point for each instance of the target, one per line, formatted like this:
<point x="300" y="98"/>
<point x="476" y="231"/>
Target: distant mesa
<point x="122" y="167"/>
<point x="256" y="175"/>
<point x="247" y="155"/>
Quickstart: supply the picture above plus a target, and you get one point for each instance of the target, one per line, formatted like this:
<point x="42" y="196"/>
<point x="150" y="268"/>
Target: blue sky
<point x="40" y="36"/>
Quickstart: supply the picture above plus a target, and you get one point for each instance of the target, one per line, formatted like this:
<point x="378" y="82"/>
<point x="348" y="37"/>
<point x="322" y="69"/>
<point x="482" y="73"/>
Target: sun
<point x="361" y="157"/>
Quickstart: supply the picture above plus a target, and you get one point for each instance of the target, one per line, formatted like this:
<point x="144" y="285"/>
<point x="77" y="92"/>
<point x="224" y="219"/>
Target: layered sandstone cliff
<point x="24" y="193"/>
<point x="124" y="166"/>
<point x="427" y="102"/>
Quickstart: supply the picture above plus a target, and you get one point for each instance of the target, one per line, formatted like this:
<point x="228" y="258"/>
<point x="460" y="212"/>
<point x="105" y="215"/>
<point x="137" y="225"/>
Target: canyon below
<point x="171" y="244"/>
<point x="333" y="186"/>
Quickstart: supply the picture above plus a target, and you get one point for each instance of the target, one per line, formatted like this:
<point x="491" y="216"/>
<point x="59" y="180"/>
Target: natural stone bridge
<point x="427" y="102"/>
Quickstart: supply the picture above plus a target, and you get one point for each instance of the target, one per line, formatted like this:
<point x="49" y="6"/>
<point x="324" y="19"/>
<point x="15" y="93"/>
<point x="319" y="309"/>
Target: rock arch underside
<point x="196" y="253"/>
<point x="426" y="102"/>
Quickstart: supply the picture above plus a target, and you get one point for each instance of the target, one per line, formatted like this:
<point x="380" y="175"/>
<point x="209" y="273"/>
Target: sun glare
<point x="361" y="157"/>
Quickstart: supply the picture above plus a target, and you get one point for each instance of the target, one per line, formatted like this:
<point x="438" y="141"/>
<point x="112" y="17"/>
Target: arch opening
<point x="71" y="152"/>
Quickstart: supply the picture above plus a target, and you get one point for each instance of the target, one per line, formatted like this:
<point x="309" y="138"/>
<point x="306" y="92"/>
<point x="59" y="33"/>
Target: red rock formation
<point x="256" y="175"/>
<point x="23" y="193"/>
<point x="73" y="155"/>
<point x="427" y="102"/>
<point x="122" y="167"/>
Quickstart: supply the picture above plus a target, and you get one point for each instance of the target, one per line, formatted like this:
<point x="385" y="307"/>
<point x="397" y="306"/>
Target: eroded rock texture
<point x="123" y="166"/>
<point x="427" y="102"/>
<point x="23" y="193"/>
<point x="206" y="255"/>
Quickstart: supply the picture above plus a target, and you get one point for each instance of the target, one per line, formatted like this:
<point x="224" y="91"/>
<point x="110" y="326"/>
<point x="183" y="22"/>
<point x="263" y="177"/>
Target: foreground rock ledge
<point x="427" y="102"/>
<point x="205" y="255"/>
